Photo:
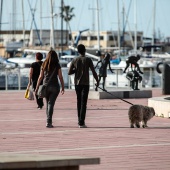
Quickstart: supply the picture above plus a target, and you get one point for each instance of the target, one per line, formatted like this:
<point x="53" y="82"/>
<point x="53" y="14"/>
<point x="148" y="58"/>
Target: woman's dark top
<point x="103" y="68"/>
<point x="36" y="66"/>
<point x="54" y="80"/>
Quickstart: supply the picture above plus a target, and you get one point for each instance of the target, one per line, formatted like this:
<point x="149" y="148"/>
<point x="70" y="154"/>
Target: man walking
<point x="80" y="67"/>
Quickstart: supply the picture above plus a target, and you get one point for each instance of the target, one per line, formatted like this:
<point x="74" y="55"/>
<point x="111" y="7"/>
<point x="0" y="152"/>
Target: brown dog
<point x="139" y="113"/>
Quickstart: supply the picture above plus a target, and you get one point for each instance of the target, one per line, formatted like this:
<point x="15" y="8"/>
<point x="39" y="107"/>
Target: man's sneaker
<point x="49" y="125"/>
<point x="82" y="126"/>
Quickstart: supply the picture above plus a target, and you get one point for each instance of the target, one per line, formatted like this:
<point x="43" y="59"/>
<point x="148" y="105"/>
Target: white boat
<point x="67" y="58"/>
<point x="27" y="57"/>
<point x="150" y="78"/>
<point x="5" y="64"/>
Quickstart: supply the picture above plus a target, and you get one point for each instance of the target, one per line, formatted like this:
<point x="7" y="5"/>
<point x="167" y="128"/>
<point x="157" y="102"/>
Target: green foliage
<point x="67" y="13"/>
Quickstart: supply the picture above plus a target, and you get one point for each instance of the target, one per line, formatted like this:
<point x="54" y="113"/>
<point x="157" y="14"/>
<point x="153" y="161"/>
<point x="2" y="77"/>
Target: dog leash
<point x="114" y="95"/>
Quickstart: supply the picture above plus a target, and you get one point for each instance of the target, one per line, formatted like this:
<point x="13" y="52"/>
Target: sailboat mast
<point x="23" y="23"/>
<point x="33" y="20"/>
<point x="1" y="14"/>
<point x="13" y="19"/>
<point x="135" y="33"/>
<point x="52" y="27"/>
<point x="62" y="7"/>
<point x="153" y="33"/>
<point x="98" y="26"/>
<point x="118" y="17"/>
<point x="41" y="20"/>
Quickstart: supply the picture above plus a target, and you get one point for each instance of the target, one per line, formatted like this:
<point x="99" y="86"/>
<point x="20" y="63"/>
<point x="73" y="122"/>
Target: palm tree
<point x="67" y="15"/>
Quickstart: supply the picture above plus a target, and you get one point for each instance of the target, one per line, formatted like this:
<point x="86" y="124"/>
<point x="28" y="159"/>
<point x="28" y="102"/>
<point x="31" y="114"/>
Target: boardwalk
<point x="22" y="130"/>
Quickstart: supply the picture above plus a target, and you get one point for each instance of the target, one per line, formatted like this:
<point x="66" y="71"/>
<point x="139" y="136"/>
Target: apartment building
<point x="108" y="39"/>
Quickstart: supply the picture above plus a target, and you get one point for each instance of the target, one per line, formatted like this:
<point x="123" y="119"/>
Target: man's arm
<point x="71" y="69"/>
<point x="94" y="74"/>
<point x="61" y="80"/>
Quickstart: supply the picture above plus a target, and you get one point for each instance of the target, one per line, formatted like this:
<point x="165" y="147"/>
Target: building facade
<point x="10" y="41"/>
<point x="109" y="39"/>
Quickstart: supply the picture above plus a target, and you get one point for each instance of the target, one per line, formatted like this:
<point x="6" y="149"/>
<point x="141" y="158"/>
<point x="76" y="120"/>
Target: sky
<point x="85" y="12"/>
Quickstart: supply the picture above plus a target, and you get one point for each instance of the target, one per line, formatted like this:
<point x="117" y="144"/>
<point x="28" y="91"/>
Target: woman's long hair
<point x="51" y="61"/>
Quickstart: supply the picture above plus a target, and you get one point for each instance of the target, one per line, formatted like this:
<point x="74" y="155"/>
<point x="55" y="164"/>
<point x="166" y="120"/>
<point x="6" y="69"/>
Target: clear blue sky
<point x="85" y="15"/>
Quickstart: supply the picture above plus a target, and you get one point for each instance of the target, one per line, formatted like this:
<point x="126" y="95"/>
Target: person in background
<point x="33" y="77"/>
<point x="105" y="61"/>
<point x="132" y="60"/>
<point x="51" y="66"/>
<point x="80" y="67"/>
<point x="134" y="77"/>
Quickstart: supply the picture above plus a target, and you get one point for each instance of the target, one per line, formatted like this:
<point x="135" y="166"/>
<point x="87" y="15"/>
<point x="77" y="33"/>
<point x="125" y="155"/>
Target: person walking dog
<point x="80" y="67"/>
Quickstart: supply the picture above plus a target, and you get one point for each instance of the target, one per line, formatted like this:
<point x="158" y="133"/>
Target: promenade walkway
<point x="108" y="136"/>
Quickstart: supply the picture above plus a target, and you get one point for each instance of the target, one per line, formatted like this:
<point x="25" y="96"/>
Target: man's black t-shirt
<point x="36" y="66"/>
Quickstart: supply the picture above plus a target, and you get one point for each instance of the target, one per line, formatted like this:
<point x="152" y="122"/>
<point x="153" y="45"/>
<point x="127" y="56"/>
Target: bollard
<point x="166" y="78"/>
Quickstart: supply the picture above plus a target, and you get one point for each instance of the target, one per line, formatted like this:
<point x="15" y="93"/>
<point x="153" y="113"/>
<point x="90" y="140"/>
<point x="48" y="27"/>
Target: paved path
<point x="22" y="130"/>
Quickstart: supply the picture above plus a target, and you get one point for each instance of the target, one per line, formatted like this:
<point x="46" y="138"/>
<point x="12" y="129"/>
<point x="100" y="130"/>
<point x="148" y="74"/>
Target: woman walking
<point x="50" y="67"/>
<point x="105" y="62"/>
<point x="33" y="77"/>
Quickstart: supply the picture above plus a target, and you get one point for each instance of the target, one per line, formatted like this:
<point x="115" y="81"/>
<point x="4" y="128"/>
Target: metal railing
<point x="17" y="79"/>
<point x="12" y="79"/>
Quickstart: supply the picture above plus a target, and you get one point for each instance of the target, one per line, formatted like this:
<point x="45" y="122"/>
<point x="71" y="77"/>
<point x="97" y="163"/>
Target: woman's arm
<point x="30" y="77"/>
<point x="61" y="80"/>
<point x="39" y="80"/>
<point x="97" y="63"/>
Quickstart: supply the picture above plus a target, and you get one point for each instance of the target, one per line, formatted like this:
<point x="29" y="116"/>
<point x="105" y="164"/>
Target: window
<point x="96" y="38"/>
<point x="83" y="37"/>
<point x="93" y="38"/>
<point x="111" y="38"/>
<point x="138" y="38"/>
<point x="101" y="38"/>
